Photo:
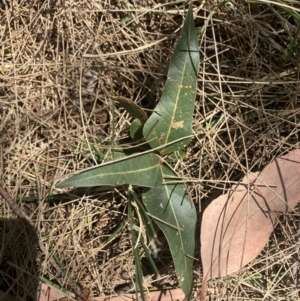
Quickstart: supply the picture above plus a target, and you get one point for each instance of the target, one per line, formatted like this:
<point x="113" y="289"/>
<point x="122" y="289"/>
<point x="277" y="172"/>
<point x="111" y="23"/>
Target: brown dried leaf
<point x="48" y="293"/>
<point x="237" y="225"/>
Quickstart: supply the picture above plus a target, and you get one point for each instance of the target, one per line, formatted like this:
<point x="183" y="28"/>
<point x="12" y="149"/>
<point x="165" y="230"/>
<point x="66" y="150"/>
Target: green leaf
<point x="175" y="214"/>
<point x="132" y="108"/>
<point x="172" y="117"/>
<point x="142" y="170"/>
<point x="136" y="129"/>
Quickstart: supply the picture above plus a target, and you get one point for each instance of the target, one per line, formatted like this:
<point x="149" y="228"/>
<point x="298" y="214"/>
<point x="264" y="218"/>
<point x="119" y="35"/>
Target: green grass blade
<point x="113" y="235"/>
<point x="151" y="261"/>
<point x="150" y="231"/>
<point x="145" y="217"/>
<point x="137" y="258"/>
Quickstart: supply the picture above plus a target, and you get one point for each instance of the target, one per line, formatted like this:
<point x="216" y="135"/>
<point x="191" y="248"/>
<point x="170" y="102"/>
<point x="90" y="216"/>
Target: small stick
<point x="17" y="211"/>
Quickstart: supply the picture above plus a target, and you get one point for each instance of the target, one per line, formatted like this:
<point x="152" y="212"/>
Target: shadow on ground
<point x="18" y="269"/>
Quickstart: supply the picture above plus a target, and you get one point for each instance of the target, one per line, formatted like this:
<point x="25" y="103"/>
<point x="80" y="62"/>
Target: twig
<point x="295" y="268"/>
<point x="17" y="211"/>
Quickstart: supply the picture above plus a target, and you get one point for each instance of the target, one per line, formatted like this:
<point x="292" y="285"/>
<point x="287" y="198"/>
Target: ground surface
<point x="61" y="61"/>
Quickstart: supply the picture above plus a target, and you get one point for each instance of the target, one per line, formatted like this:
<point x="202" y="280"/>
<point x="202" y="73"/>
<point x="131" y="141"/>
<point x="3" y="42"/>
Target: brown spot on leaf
<point x="177" y="124"/>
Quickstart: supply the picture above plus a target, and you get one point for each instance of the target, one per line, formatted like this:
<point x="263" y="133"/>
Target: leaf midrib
<point x="124" y="172"/>
<point x="177" y="224"/>
<point x="177" y="100"/>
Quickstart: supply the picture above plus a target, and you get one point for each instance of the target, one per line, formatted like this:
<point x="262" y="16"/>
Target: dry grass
<point x="60" y="63"/>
